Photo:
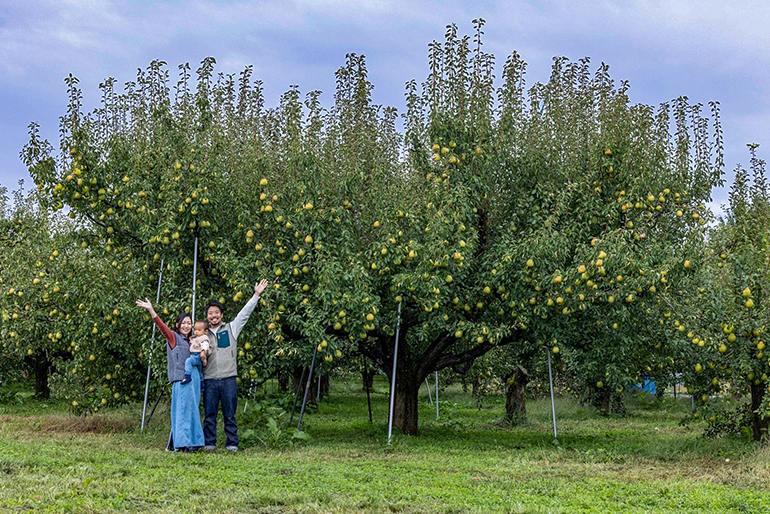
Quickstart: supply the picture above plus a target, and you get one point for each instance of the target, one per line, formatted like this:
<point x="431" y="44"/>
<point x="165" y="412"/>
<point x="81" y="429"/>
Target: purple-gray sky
<point x="705" y="49"/>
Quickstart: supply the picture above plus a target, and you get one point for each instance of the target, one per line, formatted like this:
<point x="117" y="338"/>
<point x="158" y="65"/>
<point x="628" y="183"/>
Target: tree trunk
<point x="515" y="403"/>
<point x="298" y="373"/>
<point x="325" y="386"/>
<point x="313" y="393"/>
<point x="405" y="404"/>
<point x="283" y="383"/>
<point x="40" y="365"/>
<point x="759" y="425"/>
<point x="477" y="392"/>
<point x="368" y="379"/>
<point x="602" y="402"/>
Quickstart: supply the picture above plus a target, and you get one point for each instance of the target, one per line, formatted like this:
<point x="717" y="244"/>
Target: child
<point x="199" y="344"/>
<point x="193" y="362"/>
<point x="200" y="334"/>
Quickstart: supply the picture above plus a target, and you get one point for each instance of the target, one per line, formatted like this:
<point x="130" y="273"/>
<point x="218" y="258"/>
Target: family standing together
<point x="202" y="362"/>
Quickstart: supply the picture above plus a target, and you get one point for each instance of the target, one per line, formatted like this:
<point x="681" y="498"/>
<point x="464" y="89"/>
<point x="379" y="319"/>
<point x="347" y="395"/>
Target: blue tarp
<point x="646" y="385"/>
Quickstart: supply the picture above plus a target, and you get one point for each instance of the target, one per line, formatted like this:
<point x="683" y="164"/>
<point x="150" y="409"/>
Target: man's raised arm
<point x="240" y="320"/>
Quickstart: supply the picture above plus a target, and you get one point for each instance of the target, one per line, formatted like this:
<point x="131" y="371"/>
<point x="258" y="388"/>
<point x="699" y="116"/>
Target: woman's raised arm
<point x="167" y="333"/>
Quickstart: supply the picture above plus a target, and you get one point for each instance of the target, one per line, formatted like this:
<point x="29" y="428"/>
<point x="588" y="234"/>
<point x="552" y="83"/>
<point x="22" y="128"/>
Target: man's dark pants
<point x="220" y="391"/>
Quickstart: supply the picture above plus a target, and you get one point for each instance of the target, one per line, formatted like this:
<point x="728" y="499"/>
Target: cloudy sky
<point x="705" y="49"/>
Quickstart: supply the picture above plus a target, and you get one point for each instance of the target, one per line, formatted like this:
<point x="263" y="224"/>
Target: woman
<point x="186" y="430"/>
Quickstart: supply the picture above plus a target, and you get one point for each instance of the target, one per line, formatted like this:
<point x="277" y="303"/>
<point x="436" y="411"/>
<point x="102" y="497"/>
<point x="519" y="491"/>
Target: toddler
<point x="193" y="363"/>
<point x="200" y="349"/>
<point x="200" y="334"/>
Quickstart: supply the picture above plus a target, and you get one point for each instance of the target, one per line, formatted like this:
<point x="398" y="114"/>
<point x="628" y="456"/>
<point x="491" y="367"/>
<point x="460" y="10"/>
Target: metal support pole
<point x="366" y="385"/>
<point x="155" y="406"/>
<point x="147" y="381"/>
<point x="553" y="405"/>
<point x="252" y="393"/>
<point x="318" y="390"/>
<point x="436" y="394"/>
<point x="296" y="394"/>
<point x="427" y="386"/>
<point x="307" y="387"/>
<point x="195" y="278"/>
<point x="393" y="378"/>
<point x="152" y="343"/>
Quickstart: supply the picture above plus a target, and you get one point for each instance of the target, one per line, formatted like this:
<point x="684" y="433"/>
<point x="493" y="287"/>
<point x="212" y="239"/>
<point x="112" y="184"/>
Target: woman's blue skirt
<point x="186" y="428"/>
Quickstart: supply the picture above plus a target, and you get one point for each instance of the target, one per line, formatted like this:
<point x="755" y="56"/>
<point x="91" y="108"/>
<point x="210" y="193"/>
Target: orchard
<point x="503" y="222"/>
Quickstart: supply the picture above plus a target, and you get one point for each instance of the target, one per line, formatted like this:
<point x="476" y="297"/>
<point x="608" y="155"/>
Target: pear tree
<point x="561" y="214"/>
<point x="729" y="311"/>
<point x="62" y="307"/>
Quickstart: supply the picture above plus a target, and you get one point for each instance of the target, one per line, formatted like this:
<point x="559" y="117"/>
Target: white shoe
<point x="231" y="448"/>
<point x="210" y="447"/>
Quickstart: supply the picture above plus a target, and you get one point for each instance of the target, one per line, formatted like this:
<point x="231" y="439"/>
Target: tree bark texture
<point x="515" y="402"/>
<point x="284" y="383"/>
<point x="41" y="366"/>
<point x="759" y="425"/>
<point x="405" y="403"/>
<point x="298" y="373"/>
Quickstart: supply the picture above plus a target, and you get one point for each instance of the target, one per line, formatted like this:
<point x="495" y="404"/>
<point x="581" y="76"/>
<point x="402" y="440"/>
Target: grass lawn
<point x="465" y="461"/>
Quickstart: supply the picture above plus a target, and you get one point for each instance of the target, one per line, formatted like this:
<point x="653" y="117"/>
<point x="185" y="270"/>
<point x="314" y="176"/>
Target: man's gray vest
<point x="176" y="358"/>
<point x="224" y="350"/>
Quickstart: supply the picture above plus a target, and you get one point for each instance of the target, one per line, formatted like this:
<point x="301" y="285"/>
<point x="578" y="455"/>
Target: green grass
<point x="466" y="461"/>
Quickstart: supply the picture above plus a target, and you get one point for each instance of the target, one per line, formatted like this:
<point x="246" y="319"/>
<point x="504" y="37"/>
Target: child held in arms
<point x="200" y="348"/>
<point x="200" y="333"/>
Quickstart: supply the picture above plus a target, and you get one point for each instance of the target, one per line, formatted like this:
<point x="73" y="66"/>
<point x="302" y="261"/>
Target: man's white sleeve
<point x="240" y="320"/>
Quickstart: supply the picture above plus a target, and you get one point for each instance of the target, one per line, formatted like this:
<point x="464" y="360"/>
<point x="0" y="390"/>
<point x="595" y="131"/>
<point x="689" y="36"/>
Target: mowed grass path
<point x="465" y="461"/>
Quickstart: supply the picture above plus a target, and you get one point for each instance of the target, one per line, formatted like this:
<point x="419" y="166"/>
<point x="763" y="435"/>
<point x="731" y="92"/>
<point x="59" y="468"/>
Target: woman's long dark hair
<point x="179" y="320"/>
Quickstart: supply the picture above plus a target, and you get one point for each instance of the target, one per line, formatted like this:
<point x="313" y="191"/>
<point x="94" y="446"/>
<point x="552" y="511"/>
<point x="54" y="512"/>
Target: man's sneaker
<point x="210" y="447"/>
<point x="231" y="448"/>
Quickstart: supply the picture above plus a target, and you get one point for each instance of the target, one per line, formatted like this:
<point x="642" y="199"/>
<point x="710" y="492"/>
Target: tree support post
<point x="296" y="394"/>
<point x="149" y="364"/>
<point x="553" y="404"/>
<point x="195" y="278"/>
<point x="393" y="379"/>
<point x="252" y="393"/>
<point x="307" y="387"/>
<point x="366" y="385"/>
<point x="436" y="380"/>
<point x="155" y="406"/>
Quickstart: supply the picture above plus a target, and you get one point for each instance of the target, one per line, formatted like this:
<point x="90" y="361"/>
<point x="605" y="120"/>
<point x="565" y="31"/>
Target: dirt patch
<point x="67" y="424"/>
<point x="89" y="425"/>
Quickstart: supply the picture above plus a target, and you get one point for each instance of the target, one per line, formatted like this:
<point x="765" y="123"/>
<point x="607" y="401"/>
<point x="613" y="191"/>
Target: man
<point x="221" y="371"/>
